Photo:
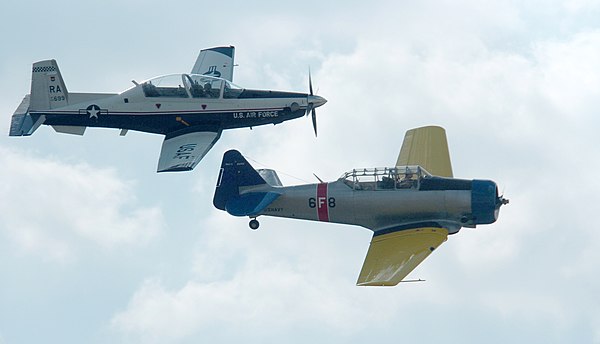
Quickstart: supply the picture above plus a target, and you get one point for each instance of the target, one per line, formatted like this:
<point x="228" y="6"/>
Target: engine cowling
<point x="485" y="202"/>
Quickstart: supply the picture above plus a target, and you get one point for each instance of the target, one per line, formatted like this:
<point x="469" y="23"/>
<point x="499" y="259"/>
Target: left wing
<point x="183" y="152"/>
<point x="427" y="147"/>
<point x="392" y="256"/>
<point x="216" y="61"/>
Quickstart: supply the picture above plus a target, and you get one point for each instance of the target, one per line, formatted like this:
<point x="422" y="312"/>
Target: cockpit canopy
<point x="190" y="86"/>
<point x="385" y="178"/>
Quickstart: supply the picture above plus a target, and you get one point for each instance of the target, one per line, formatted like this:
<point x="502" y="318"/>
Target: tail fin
<point x="48" y="90"/>
<point x="237" y="172"/>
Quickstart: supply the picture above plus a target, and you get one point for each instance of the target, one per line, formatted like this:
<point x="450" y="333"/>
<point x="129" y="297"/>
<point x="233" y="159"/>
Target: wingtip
<point x="175" y="169"/>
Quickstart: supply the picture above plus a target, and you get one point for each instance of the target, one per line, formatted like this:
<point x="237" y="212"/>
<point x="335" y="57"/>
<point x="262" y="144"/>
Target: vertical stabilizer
<point x="48" y="90"/>
<point x="235" y="172"/>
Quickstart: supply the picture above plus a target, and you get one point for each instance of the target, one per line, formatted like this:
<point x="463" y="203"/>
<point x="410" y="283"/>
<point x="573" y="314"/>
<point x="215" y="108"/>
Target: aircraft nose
<point x="317" y="101"/>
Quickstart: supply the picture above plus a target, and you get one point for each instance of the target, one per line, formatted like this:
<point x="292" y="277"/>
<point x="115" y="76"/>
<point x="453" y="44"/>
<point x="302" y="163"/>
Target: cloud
<point x="581" y="5"/>
<point x="516" y="86"/>
<point x="522" y="117"/>
<point x="286" y="277"/>
<point x="48" y="206"/>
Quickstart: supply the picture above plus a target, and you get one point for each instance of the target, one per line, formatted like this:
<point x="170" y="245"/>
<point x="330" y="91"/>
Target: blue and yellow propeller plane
<point x="190" y="109"/>
<point x="411" y="207"/>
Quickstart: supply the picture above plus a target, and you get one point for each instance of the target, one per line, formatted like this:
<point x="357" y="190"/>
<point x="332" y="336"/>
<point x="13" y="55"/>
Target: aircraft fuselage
<point x="440" y="202"/>
<point x="161" y="115"/>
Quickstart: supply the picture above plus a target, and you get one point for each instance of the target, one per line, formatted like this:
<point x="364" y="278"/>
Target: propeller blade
<point x="309" y="109"/>
<point x="310" y="83"/>
<point x="314" y="120"/>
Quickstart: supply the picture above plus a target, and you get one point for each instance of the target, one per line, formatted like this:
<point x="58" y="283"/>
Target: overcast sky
<point x="96" y="247"/>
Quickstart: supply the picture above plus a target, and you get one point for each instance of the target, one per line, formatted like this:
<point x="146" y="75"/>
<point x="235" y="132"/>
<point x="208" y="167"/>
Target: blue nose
<point x="485" y="202"/>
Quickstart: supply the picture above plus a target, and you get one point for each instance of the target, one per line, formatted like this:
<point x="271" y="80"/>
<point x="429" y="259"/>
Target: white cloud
<point x="48" y="206"/>
<point x="581" y="5"/>
<point x="288" y="278"/>
<point x="495" y="96"/>
<point x="508" y="115"/>
<point x="515" y="85"/>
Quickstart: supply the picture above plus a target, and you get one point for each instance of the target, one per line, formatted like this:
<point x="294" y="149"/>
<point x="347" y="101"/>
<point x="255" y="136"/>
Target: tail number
<point x="57" y="98"/>
<point x="312" y="202"/>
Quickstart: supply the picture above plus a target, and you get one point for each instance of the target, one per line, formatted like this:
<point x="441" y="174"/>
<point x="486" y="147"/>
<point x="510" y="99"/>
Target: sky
<point x="96" y="247"/>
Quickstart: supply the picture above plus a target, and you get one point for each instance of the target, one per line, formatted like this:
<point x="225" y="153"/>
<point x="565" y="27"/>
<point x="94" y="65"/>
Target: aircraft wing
<point x="392" y="256"/>
<point x="427" y="147"/>
<point x="182" y="152"/>
<point x="216" y="61"/>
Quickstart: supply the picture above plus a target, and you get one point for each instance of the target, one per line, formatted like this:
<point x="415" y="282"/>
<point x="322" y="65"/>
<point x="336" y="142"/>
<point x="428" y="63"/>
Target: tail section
<point x="236" y="174"/>
<point x="22" y="123"/>
<point x="270" y="176"/>
<point x="48" y="90"/>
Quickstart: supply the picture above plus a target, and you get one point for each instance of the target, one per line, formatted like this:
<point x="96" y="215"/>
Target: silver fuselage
<point x="374" y="209"/>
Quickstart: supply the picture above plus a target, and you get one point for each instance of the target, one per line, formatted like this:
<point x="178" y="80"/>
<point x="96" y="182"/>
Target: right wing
<point x="427" y="147"/>
<point x="216" y="61"/>
<point x="392" y="256"/>
<point x="183" y="152"/>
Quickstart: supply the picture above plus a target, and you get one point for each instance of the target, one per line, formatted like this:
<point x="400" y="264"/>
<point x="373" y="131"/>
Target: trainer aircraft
<point x="411" y="207"/>
<point x="190" y="109"/>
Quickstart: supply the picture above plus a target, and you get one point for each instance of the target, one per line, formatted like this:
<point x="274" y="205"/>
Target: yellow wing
<point x="427" y="147"/>
<point x="392" y="256"/>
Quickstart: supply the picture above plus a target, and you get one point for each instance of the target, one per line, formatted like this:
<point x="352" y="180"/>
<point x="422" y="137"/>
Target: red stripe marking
<point x="322" y="206"/>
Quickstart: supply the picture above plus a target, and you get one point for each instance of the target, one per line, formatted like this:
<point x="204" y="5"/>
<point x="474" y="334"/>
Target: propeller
<point x="500" y="201"/>
<point x="311" y="107"/>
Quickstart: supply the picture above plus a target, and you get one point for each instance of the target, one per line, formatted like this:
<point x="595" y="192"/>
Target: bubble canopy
<point x="400" y="177"/>
<point x="190" y="86"/>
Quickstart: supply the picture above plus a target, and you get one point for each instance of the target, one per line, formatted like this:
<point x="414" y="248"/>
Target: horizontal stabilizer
<point x="69" y="129"/>
<point x="270" y="176"/>
<point x="250" y="203"/>
<point x="394" y="255"/>
<point x="22" y="123"/>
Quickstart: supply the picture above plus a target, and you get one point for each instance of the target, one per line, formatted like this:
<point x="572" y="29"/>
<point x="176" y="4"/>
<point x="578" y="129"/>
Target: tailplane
<point x="235" y="177"/>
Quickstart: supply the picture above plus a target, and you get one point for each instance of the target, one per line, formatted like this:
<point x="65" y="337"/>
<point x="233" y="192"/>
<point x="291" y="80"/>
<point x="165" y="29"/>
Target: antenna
<point x="413" y="280"/>
<point x="320" y="180"/>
